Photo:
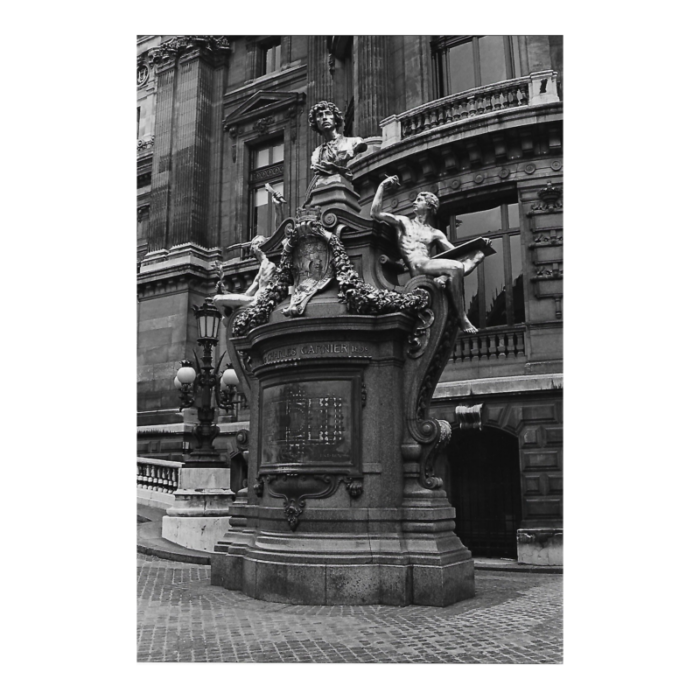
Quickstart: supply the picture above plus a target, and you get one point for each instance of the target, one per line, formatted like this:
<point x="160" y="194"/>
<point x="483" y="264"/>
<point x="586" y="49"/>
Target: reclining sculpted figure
<point x="262" y="279"/>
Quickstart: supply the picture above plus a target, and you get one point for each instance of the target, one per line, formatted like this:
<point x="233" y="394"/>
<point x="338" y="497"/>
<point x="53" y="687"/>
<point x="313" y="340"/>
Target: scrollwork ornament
<point x="330" y="219"/>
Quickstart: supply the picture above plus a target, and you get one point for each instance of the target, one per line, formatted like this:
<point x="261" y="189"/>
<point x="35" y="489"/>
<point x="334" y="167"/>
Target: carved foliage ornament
<point x="295" y="488"/>
<point x="263" y="125"/>
<point x="359" y="297"/>
<point x="550" y="198"/>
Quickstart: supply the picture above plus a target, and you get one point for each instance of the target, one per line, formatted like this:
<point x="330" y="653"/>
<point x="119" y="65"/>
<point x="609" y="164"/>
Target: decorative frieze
<point x="169" y="50"/>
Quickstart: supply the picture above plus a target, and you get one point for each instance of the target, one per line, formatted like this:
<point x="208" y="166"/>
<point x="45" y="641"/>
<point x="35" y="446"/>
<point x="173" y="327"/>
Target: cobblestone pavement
<point x="515" y="618"/>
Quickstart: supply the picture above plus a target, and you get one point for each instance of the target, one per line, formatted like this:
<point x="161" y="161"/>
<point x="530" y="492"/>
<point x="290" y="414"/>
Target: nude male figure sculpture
<point x="262" y="279"/>
<point x="414" y="238"/>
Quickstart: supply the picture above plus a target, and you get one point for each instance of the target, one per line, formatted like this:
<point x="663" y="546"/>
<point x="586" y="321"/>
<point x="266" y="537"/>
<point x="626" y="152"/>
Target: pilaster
<point x="372" y="92"/>
<point x="165" y="90"/>
<point x="188" y="73"/>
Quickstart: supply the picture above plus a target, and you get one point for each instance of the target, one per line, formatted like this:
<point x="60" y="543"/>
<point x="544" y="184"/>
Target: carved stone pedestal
<point x="335" y="191"/>
<point x="337" y="512"/>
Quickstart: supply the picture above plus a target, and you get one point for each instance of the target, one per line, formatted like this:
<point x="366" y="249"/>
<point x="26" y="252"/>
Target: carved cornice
<point x="169" y="50"/>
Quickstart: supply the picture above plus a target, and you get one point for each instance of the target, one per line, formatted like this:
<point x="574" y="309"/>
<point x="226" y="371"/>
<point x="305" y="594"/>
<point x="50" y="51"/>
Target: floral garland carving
<point x="358" y="296"/>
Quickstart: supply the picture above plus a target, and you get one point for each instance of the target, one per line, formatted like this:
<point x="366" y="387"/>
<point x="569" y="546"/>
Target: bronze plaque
<point x="308" y="424"/>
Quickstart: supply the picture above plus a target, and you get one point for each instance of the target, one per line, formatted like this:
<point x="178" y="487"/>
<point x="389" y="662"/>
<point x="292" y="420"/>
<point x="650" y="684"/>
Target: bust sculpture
<point x="415" y="235"/>
<point x="332" y="156"/>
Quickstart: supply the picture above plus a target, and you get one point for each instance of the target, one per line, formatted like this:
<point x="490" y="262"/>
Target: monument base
<point x="360" y="568"/>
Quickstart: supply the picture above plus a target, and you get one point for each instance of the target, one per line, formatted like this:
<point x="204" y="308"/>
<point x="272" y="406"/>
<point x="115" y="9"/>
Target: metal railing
<point x="157" y="474"/>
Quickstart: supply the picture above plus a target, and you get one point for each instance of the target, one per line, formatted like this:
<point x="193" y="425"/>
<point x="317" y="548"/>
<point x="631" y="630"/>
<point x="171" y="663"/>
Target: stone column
<point x="371" y="87"/>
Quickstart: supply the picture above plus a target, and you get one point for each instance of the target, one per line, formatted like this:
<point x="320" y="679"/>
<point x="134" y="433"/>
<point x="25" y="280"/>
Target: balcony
<point x="507" y="344"/>
<point x="529" y="91"/>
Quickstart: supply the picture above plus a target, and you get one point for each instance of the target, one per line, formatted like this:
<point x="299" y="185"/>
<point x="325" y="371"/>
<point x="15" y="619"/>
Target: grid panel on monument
<point x="494" y="296"/>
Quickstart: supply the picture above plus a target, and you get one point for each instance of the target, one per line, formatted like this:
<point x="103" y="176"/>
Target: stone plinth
<point x="198" y="518"/>
<point x="541" y="546"/>
<point x="334" y="190"/>
<point x="334" y="512"/>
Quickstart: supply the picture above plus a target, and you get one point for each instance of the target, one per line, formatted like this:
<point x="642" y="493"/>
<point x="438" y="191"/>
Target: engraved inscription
<point x="315" y="349"/>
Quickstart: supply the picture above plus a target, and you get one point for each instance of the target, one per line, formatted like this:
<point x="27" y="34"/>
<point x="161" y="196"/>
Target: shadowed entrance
<point x="484" y="487"/>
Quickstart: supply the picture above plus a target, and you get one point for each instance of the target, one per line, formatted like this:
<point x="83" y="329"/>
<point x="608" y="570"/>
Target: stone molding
<point x="487" y="125"/>
<point x="499" y="385"/>
<point x="180" y="428"/>
<point x="260" y="108"/>
<point x="171" y="49"/>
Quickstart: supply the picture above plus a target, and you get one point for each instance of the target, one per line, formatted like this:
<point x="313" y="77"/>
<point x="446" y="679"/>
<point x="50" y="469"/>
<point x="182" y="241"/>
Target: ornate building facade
<point x="476" y="120"/>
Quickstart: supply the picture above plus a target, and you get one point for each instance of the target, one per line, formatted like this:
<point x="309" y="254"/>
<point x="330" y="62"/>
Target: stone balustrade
<point x="507" y="344"/>
<point x="530" y="90"/>
<point x="157" y="474"/>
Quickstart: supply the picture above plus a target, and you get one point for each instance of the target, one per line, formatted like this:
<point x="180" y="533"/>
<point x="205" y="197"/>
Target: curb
<point x="194" y="558"/>
<point x="521" y="568"/>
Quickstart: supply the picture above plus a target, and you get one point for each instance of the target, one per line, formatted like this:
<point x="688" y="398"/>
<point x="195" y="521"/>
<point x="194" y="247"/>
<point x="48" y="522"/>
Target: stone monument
<point x="343" y="505"/>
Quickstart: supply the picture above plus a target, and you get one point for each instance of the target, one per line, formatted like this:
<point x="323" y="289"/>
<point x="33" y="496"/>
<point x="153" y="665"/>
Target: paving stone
<point x="515" y="618"/>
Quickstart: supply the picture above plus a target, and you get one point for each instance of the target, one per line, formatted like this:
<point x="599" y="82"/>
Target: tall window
<point x="271" y="58"/>
<point x="494" y="294"/>
<point x="465" y="62"/>
<point x="267" y="168"/>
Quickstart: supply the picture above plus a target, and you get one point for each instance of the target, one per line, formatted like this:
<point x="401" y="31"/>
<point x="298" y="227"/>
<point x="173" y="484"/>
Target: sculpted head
<point x="324" y="115"/>
<point x="255" y="245"/>
<point x="426" y="201"/>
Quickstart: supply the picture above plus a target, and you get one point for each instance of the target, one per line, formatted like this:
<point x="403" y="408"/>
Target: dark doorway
<point x="484" y="487"/>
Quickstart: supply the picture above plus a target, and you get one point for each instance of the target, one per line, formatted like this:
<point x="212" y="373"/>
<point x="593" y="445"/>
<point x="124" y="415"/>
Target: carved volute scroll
<point x="428" y="351"/>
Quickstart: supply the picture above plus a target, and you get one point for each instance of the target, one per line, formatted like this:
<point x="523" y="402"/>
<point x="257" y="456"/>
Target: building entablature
<point x="214" y="48"/>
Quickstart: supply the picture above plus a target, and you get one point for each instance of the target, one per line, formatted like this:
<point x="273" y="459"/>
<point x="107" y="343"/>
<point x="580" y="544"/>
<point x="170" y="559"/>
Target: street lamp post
<point x="199" y="516"/>
<point x="204" y="382"/>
